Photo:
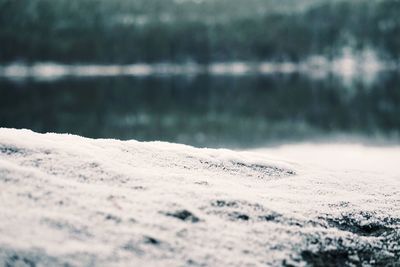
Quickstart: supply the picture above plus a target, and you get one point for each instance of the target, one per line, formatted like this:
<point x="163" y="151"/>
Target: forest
<point x="202" y="31"/>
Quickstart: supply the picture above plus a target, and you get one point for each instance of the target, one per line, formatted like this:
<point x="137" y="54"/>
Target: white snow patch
<point x="72" y="200"/>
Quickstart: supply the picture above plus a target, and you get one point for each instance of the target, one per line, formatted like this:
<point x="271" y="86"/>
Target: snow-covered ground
<point x="72" y="201"/>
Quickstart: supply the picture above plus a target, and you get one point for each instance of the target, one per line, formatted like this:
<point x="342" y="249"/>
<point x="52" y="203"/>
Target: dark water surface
<point x="206" y="110"/>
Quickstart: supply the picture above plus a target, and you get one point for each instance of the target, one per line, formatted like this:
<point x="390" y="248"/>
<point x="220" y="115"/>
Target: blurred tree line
<point x="122" y="31"/>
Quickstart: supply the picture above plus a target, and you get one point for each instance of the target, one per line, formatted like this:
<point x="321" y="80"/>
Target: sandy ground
<point x="72" y="201"/>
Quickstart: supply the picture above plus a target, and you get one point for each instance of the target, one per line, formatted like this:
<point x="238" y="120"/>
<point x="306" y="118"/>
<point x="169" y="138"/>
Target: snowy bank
<point x="72" y="201"/>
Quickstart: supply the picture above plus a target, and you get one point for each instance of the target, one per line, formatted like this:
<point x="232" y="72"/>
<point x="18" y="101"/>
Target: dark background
<point x="123" y="31"/>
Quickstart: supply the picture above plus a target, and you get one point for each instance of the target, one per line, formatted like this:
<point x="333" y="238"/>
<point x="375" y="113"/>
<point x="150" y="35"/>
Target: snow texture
<point x="72" y="201"/>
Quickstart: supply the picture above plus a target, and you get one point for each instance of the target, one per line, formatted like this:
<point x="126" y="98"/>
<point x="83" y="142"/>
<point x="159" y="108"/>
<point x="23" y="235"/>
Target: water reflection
<point x="205" y="110"/>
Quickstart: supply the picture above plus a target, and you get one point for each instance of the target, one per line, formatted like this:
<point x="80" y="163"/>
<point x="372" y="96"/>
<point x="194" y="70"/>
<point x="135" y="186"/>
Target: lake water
<point x="240" y="111"/>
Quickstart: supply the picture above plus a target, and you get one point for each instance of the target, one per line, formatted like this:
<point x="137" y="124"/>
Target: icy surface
<point x="71" y="201"/>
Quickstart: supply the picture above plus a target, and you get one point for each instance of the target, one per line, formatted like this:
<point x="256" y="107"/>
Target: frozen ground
<point x="71" y="201"/>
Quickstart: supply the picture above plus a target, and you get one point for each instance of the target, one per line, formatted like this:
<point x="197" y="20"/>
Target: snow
<point x="348" y="67"/>
<point x="69" y="200"/>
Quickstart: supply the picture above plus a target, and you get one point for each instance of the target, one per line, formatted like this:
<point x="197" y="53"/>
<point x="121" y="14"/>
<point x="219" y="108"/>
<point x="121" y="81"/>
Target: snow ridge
<point x="69" y="200"/>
